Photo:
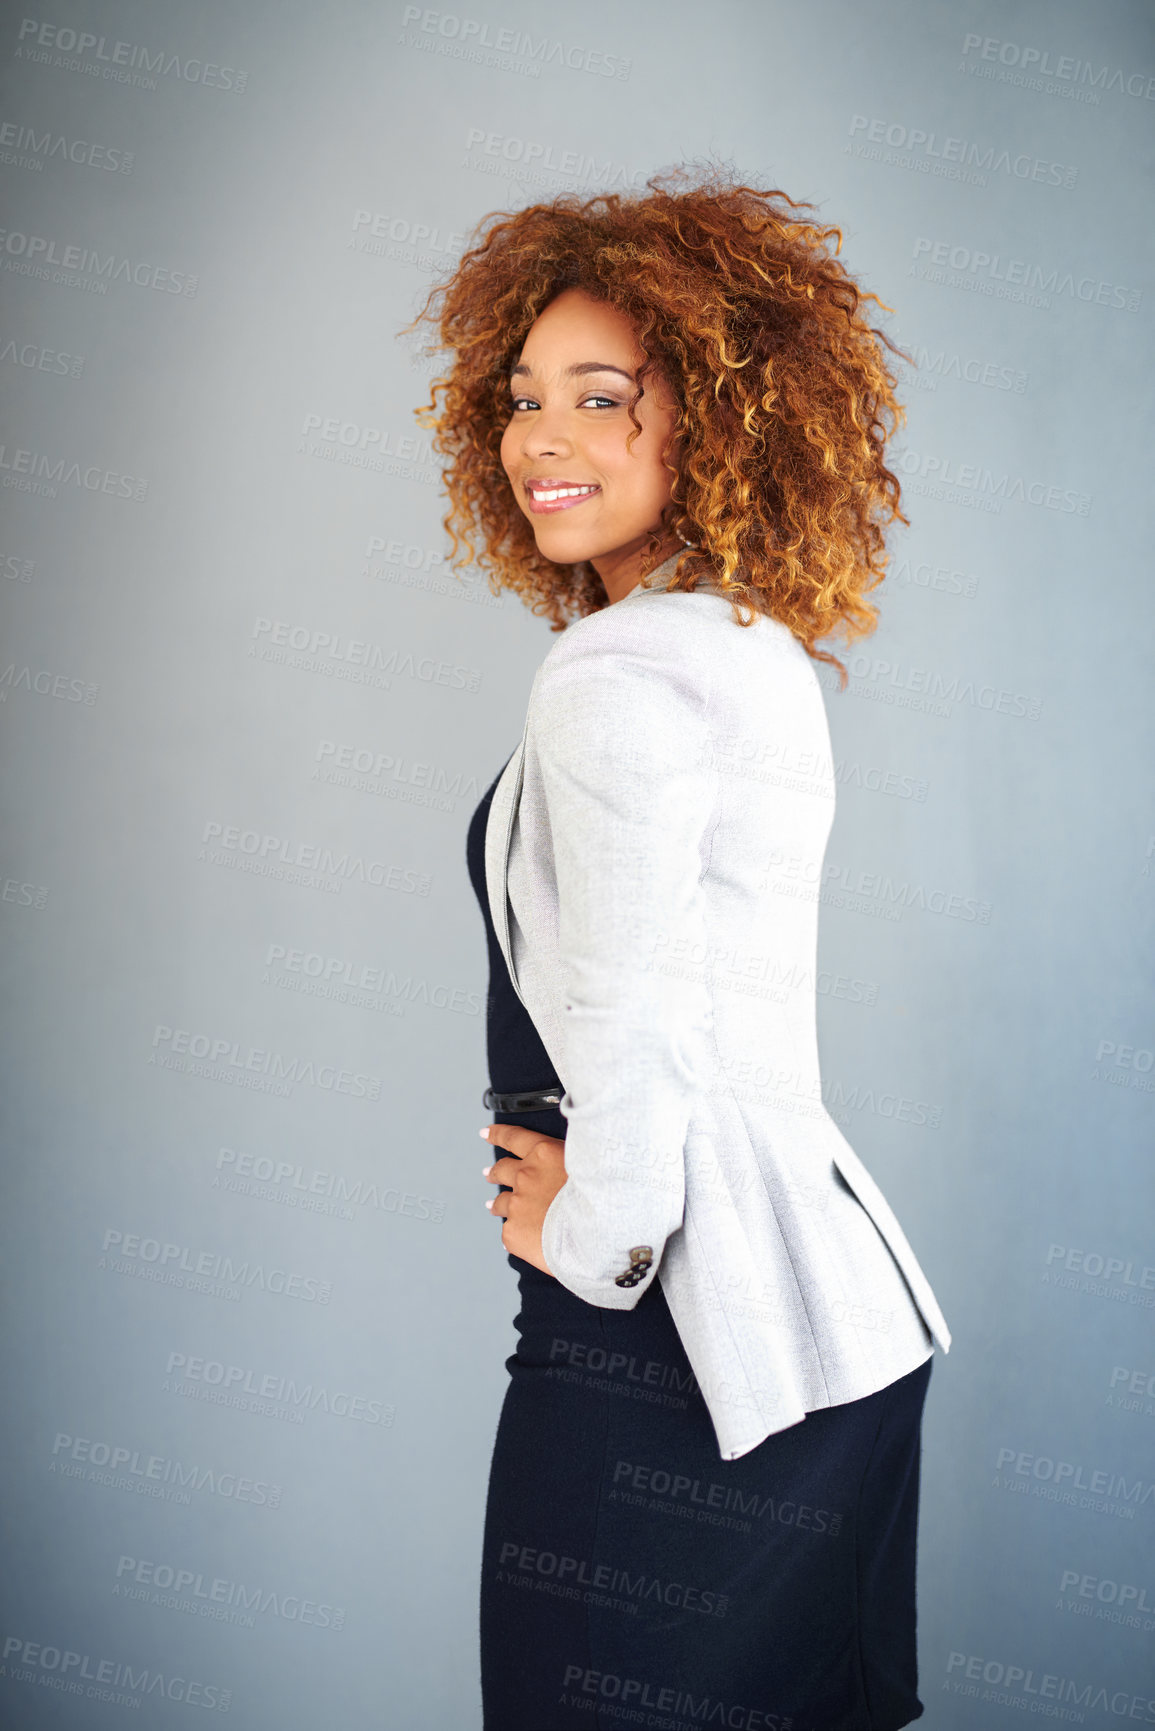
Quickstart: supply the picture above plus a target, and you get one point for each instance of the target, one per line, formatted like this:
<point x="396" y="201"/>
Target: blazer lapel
<point x="498" y="835"/>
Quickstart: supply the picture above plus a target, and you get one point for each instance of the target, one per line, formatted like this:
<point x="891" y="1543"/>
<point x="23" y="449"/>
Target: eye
<point x="610" y="402"/>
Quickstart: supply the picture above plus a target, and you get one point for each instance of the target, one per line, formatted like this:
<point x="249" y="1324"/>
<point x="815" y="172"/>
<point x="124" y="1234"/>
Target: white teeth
<point x="546" y="495"/>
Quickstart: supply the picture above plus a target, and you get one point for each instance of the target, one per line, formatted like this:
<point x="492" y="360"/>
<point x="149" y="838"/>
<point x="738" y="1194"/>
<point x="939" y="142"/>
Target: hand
<point x="535" y="1178"/>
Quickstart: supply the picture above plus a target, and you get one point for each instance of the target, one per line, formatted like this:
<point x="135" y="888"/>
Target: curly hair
<point x="785" y="399"/>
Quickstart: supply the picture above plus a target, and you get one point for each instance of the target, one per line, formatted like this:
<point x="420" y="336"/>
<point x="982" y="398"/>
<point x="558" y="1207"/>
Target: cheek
<point x="654" y="477"/>
<point x="628" y="467"/>
<point x="658" y="479"/>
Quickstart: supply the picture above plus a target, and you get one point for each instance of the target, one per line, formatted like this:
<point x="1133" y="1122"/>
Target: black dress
<point x="630" y="1576"/>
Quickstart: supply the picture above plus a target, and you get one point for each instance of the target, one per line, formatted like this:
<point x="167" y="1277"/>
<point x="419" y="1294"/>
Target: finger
<point x="503" y="1171"/>
<point x="498" y="1205"/>
<point x="515" y="1137"/>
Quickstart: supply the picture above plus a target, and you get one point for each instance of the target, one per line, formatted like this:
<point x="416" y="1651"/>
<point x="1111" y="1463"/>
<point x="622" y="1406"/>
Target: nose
<point x="546" y="436"/>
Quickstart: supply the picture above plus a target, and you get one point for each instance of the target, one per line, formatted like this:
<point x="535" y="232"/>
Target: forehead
<point x="573" y="321"/>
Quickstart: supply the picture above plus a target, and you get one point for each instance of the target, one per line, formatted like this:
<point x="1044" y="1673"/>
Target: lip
<point x="544" y="508"/>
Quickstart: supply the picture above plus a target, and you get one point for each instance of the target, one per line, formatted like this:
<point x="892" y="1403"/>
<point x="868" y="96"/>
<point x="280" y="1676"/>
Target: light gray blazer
<point x="653" y="862"/>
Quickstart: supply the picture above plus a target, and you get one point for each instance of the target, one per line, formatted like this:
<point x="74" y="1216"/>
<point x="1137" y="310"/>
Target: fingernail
<point x="490" y="1202"/>
<point x="486" y="1170"/>
<point x="484" y="1132"/>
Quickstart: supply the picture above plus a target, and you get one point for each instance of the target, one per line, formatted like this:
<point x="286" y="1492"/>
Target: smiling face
<point x="588" y="495"/>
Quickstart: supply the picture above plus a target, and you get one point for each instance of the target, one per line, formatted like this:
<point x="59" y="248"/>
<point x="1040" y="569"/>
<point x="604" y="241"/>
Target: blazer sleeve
<point x="620" y="733"/>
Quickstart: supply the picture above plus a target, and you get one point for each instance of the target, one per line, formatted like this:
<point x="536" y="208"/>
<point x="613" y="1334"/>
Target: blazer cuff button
<point x="641" y="1261"/>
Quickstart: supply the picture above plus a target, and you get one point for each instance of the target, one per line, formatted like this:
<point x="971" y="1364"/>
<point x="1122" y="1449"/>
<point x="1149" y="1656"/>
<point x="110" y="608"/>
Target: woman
<point x="666" y="419"/>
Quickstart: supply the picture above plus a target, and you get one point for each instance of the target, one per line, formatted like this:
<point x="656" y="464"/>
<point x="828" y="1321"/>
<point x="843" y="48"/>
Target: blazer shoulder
<point x="647" y="663"/>
<point x="651" y="632"/>
<point x="690" y="636"/>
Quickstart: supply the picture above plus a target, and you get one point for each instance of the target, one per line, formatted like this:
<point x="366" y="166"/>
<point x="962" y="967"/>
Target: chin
<point x="565" y="549"/>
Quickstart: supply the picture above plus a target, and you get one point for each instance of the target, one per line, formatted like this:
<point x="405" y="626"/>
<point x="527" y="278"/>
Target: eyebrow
<point x="581" y="367"/>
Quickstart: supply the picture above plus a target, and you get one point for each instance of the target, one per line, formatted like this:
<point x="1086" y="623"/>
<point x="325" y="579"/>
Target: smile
<point x="557" y="498"/>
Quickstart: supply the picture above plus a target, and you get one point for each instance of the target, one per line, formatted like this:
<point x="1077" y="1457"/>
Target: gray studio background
<point x="255" y="1314"/>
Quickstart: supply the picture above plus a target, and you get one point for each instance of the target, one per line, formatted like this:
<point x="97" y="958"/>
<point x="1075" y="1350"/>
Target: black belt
<point x="529" y="1100"/>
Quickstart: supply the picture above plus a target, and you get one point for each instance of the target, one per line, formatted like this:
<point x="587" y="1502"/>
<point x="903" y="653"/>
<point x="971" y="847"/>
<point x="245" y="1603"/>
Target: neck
<point x="620" y="574"/>
<point x="663" y="573"/>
